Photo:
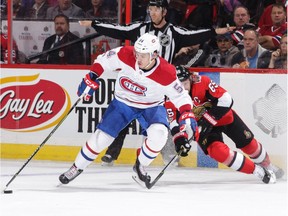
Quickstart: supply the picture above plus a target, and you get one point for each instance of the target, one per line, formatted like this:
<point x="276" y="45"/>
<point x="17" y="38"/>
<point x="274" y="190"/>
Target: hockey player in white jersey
<point x="143" y="80"/>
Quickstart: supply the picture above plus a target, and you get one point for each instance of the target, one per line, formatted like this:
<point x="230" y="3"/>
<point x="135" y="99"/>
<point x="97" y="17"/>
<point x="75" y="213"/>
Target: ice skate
<point x="279" y="173"/>
<point x="69" y="175"/>
<point x="107" y="160"/>
<point x="141" y="173"/>
<point x="267" y="176"/>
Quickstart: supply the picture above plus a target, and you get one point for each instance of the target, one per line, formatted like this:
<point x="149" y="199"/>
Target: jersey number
<point x="178" y="88"/>
<point x="171" y="114"/>
<point x="212" y="86"/>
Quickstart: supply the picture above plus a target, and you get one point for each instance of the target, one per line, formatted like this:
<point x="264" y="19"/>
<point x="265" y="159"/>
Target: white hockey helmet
<point x="147" y="43"/>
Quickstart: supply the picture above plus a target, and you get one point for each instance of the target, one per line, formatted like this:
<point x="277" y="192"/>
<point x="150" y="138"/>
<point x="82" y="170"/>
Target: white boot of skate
<point x="267" y="176"/>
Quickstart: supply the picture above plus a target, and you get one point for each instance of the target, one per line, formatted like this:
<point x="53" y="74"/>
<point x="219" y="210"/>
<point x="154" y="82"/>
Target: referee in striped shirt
<point x="172" y="38"/>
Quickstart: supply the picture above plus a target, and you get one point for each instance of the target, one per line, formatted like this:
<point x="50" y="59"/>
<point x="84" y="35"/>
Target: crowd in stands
<point x="253" y="27"/>
<point x="48" y="9"/>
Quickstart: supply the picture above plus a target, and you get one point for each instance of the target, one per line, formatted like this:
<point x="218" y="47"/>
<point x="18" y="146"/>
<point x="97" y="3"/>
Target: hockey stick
<point x="149" y="185"/>
<point x="46" y="139"/>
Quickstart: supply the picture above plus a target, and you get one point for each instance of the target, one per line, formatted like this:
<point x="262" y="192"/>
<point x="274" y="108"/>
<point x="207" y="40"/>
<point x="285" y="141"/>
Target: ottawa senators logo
<point x="247" y="134"/>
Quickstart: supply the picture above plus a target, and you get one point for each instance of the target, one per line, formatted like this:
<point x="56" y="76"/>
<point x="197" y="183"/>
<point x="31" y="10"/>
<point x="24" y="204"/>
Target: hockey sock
<point x="235" y="160"/>
<point x="89" y="152"/>
<point x="156" y="138"/>
<point x="257" y="153"/>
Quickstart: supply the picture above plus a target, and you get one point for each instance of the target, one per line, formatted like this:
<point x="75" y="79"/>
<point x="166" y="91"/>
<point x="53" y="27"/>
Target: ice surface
<point x="111" y="191"/>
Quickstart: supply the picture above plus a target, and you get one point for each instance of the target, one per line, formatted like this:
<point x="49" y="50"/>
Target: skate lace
<point x="142" y="170"/>
<point x="259" y="172"/>
<point x="73" y="171"/>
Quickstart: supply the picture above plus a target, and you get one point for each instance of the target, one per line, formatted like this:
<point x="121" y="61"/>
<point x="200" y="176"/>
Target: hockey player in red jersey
<point x="143" y="81"/>
<point x="214" y="114"/>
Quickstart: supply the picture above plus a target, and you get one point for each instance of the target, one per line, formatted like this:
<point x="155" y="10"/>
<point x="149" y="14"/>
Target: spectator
<point x="225" y="55"/>
<point x="256" y="8"/>
<point x="67" y="55"/>
<point x="241" y="19"/>
<point x="252" y="49"/>
<point x="225" y="12"/>
<point x="19" y="11"/>
<point x="278" y="58"/>
<point x="100" y="10"/>
<point x="270" y="35"/>
<point x="241" y="16"/>
<point x="192" y="56"/>
<point x="67" y="8"/>
<point x="38" y="10"/>
<point x="265" y="18"/>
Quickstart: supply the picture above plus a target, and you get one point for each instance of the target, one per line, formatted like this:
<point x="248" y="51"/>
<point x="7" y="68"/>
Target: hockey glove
<point x="88" y="85"/>
<point x="187" y="122"/>
<point x="201" y="109"/>
<point x="180" y="139"/>
<point x="205" y="125"/>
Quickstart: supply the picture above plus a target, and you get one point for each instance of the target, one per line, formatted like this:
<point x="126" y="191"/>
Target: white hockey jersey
<point x="140" y="89"/>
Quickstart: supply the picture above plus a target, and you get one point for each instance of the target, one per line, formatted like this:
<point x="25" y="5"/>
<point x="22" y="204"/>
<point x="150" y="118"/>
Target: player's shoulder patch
<point x="110" y="53"/>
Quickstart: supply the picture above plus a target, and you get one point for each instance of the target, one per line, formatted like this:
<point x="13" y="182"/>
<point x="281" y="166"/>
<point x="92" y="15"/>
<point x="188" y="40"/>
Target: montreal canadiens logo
<point x="31" y="104"/>
<point x="131" y="86"/>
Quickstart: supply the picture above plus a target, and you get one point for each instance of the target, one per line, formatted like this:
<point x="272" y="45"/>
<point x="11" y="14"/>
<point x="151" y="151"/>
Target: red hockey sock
<point x="257" y="153"/>
<point x="237" y="161"/>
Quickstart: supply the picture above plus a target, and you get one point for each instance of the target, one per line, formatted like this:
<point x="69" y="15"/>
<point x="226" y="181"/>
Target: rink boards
<point x="33" y="101"/>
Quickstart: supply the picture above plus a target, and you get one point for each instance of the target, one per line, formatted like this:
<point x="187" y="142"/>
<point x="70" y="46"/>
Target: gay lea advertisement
<point x="33" y="102"/>
<point x="29" y="103"/>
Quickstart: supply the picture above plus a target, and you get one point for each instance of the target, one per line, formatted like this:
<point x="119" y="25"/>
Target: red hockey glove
<point x="180" y="139"/>
<point x="88" y="85"/>
<point x="187" y="122"/>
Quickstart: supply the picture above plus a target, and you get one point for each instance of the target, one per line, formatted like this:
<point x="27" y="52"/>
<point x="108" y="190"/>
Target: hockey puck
<point x="8" y="191"/>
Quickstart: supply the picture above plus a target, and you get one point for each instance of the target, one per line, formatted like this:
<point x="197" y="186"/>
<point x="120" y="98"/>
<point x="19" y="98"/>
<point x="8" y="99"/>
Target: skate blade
<point x="139" y="182"/>
<point x="59" y="184"/>
<point x="106" y="164"/>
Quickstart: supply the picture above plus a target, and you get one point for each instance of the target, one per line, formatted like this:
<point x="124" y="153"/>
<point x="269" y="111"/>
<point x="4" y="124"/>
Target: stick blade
<point x="7" y="191"/>
<point x="149" y="185"/>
